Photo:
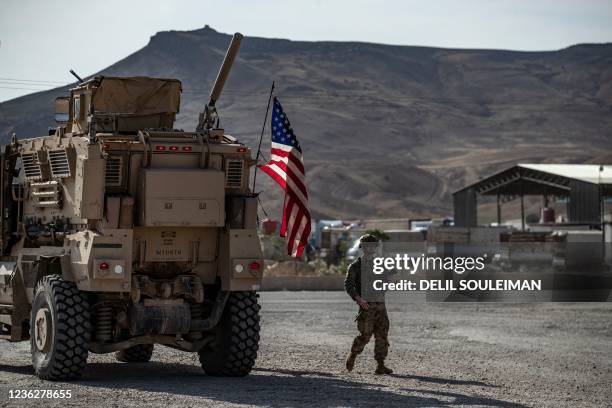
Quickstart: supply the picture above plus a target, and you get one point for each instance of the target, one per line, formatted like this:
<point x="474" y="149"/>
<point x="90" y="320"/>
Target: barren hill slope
<point x="387" y="131"/>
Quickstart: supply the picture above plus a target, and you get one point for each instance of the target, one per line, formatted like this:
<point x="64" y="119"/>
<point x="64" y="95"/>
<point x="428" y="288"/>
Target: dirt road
<point x="443" y="354"/>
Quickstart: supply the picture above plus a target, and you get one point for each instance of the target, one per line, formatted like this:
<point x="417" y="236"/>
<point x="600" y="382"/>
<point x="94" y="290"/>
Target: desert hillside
<point x="387" y="131"/>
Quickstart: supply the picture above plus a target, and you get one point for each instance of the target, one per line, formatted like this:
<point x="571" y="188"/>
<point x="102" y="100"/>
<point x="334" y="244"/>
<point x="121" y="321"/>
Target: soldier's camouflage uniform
<point x="373" y="321"/>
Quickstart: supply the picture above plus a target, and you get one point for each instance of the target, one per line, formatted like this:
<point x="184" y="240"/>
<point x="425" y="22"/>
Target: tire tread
<point x="72" y="330"/>
<point x="236" y="356"/>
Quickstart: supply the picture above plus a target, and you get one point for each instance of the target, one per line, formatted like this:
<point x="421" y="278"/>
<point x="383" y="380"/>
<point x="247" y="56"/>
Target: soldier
<point x="372" y="317"/>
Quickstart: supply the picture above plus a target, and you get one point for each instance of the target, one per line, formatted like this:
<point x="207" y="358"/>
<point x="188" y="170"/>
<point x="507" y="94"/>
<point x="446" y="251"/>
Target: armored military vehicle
<point x="118" y="232"/>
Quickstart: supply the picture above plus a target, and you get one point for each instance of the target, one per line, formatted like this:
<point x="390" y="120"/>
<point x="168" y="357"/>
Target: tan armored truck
<point x="118" y="233"/>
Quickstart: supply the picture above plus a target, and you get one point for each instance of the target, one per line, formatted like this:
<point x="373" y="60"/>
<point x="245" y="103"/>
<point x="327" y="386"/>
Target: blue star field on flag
<point x="281" y="128"/>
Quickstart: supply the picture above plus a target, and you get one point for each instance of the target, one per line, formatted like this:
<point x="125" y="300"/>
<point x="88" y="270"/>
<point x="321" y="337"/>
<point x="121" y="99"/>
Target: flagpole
<point x="263" y="128"/>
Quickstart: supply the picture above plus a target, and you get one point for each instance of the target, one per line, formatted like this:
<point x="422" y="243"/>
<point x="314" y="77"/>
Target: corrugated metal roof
<point x="583" y="172"/>
<point x="583" y="184"/>
<point x="542" y="179"/>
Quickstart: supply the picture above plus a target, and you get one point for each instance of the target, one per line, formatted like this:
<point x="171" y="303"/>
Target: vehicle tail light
<point x="104" y="266"/>
<point x="254" y="266"/>
<point x="173" y="148"/>
<point x="241" y="149"/>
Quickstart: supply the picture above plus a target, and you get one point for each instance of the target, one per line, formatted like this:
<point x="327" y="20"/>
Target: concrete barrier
<point x="297" y="283"/>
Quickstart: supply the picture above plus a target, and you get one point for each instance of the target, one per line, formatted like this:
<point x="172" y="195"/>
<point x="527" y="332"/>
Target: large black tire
<point x="234" y="350"/>
<point x="137" y="354"/>
<point x="59" y="329"/>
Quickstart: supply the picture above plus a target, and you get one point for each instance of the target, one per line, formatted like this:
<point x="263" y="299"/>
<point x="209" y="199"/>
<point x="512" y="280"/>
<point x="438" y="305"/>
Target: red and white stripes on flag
<point x="286" y="167"/>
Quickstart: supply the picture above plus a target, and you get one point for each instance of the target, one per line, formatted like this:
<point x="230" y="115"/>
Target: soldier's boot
<point x="382" y="369"/>
<point x="350" y="361"/>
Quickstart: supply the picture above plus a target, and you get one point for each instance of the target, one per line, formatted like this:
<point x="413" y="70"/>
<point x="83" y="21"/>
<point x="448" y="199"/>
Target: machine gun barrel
<point x="224" y="71"/>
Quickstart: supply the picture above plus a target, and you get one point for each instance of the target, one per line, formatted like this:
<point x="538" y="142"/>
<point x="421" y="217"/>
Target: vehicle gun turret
<point x="209" y="118"/>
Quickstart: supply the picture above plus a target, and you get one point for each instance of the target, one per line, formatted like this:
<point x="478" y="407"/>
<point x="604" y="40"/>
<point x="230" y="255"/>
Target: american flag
<point x="286" y="167"/>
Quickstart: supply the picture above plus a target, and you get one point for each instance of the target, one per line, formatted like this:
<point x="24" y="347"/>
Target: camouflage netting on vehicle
<point x="137" y="96"/>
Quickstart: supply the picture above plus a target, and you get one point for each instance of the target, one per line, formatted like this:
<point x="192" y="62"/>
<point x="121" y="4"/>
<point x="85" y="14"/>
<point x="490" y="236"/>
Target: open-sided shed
<point x="585" y="185"/>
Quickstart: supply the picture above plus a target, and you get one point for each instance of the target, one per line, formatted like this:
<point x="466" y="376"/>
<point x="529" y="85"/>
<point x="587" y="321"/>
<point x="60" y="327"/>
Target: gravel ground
<point x="542" y="355"/>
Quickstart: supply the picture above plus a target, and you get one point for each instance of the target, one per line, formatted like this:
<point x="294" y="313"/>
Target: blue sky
<point x="41" y="40"/>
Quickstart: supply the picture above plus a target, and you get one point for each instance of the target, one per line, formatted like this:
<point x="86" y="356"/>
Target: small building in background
<point x="582" y="186"/>
<point x="583" y="234"/>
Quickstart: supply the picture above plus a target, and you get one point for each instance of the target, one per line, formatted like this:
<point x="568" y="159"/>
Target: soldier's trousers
<point x="373" y="321"/>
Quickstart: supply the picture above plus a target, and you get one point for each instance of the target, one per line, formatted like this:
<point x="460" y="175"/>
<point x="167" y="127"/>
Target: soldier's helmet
<point x="367" y="238"/>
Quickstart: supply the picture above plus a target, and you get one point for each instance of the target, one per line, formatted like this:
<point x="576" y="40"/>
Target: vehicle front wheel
<point x="59" y="329"/>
